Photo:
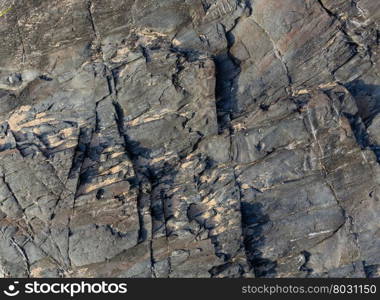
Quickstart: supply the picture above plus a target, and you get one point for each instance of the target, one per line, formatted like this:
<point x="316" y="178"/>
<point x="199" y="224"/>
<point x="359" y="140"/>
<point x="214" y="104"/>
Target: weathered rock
<point x="213" y="138"/>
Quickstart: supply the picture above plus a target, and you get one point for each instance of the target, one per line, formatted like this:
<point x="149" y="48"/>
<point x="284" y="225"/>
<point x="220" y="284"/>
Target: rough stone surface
<point x="196" y="138"/>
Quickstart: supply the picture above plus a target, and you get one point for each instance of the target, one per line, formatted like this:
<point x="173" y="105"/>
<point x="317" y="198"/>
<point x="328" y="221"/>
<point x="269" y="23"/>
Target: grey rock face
<point x="171" y="138"/>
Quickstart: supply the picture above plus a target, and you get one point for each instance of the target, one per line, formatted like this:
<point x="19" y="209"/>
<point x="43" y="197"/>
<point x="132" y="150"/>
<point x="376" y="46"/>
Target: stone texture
<point x="210" y="138"/>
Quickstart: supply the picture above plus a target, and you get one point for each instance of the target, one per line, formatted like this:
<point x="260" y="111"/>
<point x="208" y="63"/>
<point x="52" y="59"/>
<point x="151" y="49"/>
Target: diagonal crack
<point x="90" y="8"/>
<point x="13" y="195"/>
<point x="280" y="57"/>
<point x="23" y="254"/>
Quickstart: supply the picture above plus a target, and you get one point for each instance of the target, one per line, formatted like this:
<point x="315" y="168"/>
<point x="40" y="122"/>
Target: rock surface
<point x="196" y="138"/>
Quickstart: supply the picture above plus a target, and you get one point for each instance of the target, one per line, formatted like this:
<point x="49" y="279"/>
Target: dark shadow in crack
<point x="227" y="106"/>
<point x="367" y="98"/>
<point x="253" y="221"/>
<point x="153" y="180"/>
<point x="371" y="271"/>
<point x="6" y="146"/>
<point x="227" y="77"/>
